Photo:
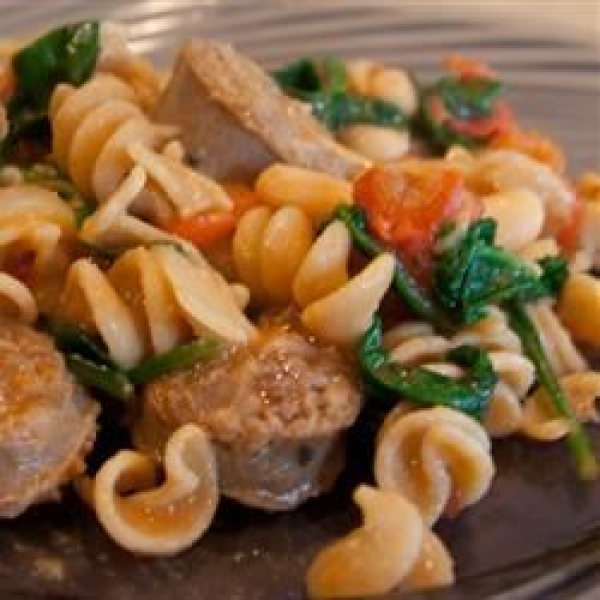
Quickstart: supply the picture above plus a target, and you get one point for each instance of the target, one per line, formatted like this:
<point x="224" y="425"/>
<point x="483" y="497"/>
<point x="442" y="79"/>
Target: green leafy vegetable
<point x="469" y="98"/>
<point x="474" y="274"/>
<point x="89" y="360"/>
<point x="67" y="54"/>
<point x="577" y="439"/>
<point x="71" y="339"/>
<point x="181" y="357"/>
<point x="323" y="83"/>
<point x="469" y="394"/>
<point x="101" y="377"/>
<point x="460" y="111"/>
<point x="404" y="283"/>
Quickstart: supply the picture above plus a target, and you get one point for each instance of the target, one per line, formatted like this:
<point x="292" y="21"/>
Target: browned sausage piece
<point x="47" y="423"/>
<point x="235" y="121"/>
<point x="275" y="411"/>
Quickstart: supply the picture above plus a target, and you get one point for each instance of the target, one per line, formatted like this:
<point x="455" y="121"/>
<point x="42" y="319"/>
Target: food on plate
<point x="47" y="421"/>
<point x="239" y="269"/>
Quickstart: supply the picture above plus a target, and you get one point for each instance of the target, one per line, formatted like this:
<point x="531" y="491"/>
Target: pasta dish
<point x="211" y="276"/>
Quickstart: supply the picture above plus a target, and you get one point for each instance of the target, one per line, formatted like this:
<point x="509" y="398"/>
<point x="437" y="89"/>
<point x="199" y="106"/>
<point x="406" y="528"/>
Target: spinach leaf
<point x="475" y="274"/>
<point x="450" y="101"/>
<point x="469" y="98"/>
<point x="67" y="54"/>
<point x="469" y="394"/>
<point x="323" y="84"/>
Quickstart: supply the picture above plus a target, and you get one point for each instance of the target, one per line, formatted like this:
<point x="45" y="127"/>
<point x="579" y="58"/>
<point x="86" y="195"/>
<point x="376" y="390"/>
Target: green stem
<point x="177" y="359"/>
<point x="469" y="394"/>
<point x="404" y="283"/>
<point x="577" y="440"/>
<point x="100" y="377"/>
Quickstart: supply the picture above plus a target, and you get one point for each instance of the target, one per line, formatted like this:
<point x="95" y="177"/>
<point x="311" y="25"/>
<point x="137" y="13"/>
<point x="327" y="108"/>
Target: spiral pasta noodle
<point x="556" y="340"/>
<point x="16" y="300"/>
<point x="508" y="170"/>
<point x="541" y="422"/>
<point x="99" y="132"/>
<point x="311" y="270"/>
<point x="392" y="548"/>
<point x="437" y="458"/>
<point x="170" y="517"/>
<point x="151" y="300"/>
<point x="416" y="344"/>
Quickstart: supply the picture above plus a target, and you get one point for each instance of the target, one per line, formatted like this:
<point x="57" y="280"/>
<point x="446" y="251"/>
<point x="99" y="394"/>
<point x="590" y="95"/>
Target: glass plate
<point x="536" y="534"/>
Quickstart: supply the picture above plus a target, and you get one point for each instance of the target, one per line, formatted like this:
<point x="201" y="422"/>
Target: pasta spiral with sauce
<point x="437" y="458"/>
<point x="416" y="344"/>
<point x="100" y="132"/>
<point x="392" y="548"/>
<point x="166" y="519"/>
<point x="311" y="271"/>
<point x="541" y="421"/>
<point x="151" y="300"/>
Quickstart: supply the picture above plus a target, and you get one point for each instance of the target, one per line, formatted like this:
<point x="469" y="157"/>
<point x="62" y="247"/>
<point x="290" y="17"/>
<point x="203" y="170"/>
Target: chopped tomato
<point x="533" y="144"/>
<point x="568" y="236"/>
<point x="466" y="67"/>
<point x="8" y="82"/>
<point x="495" y="124"/>
<point x="405" y="208"/>
<point x="207" y="229"/>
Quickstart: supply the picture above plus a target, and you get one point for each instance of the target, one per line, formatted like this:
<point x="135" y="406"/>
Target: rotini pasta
<point x="541" y="422"/>
<point x="437" y="458"/>
<point x="392" y="548"/>
<point x="416" y="344"/>
<point x="170" y="517"/>
<point x="316" y="194"/>
<point x="564" y="357"/>
<point x="16" y="300"/>
<point x="117" y="58"/>
<point x="519" y="215"/>
<point x="578" y="307"/>
<point x="508" y="170"/>
<point x="311" y="271"/>
<point x="151" y="300"/>
<point x="37" y="243"/>
<point x="100" y="133"/>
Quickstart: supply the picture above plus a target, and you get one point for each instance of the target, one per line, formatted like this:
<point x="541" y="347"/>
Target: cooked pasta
<point x="242" y="323"/>
<point x="578" y="306"/>
<point x="100" y="133"/>
<point x="164" y="519"/>
<point x="564" y="356"/>
<point x="313" y="272"/>
<point x="541" y="421"/>
<point x="416" y="344"/>
<point x="519" y="215"/>
<point x="149" y="301"/>
<point x="316" y="194"/>
<point x="117" y="58"/>
<point x="374" y="80"/>
<point x="16" y="300"/>
<point x="507" y="170"/>
<point x="437" y="458"/>
<point x="392" y="548"/>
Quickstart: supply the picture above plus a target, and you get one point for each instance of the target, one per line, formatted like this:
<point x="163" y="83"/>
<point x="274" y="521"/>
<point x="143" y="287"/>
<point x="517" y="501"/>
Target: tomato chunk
<point x="406" y="204"/>
<point x="207" y="229"/>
